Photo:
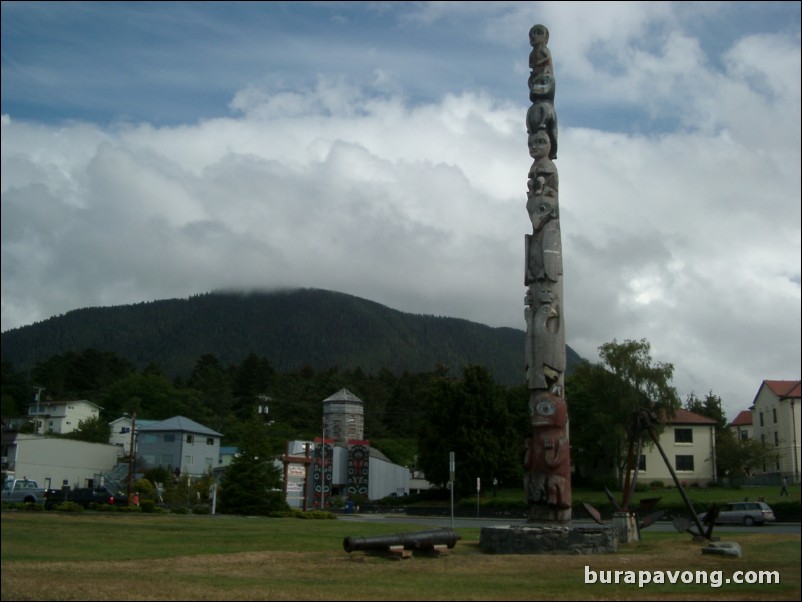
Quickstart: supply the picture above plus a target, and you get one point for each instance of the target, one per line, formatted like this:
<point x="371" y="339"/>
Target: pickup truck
<point x="23" y="491"/>
<point x="85" y="496"/>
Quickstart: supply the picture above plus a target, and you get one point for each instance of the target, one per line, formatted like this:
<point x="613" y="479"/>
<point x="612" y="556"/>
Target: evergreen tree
<point x="469" y="417"/>
<point x="252" y="483"/>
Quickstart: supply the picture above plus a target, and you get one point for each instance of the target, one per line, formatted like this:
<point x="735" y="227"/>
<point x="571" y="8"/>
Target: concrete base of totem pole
<point x="626" y="525"/>
<point x="547" y="539"/>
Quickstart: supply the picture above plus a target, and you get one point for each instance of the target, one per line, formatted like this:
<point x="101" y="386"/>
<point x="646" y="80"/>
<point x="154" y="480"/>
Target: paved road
<point x="459" y="522"/>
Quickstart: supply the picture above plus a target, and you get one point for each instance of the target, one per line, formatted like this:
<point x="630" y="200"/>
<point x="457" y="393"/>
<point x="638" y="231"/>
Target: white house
<point x="61" y="416"/>
<point x="776" y="422"/>
<point x="689" y="442"/>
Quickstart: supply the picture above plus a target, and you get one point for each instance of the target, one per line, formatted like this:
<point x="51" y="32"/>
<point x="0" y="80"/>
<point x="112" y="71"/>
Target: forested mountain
<point x="291" y="329"/>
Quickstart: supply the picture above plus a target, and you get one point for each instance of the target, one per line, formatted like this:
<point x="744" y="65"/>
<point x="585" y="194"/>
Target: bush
<point x="69" y="507"/>
<point x="148" y="506"/>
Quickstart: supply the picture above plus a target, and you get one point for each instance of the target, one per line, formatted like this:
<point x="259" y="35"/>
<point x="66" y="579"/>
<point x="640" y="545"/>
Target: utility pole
<point x="131" y="454"/>
<point x="36" y="418"/>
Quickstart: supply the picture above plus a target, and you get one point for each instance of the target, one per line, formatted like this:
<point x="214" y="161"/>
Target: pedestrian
<point x="784" y="489"/>
<point x="136" y="498"/>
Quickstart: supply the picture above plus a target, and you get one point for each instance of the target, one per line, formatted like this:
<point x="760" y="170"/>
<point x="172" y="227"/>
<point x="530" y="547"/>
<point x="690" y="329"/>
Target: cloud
<point x="679" y="173"/>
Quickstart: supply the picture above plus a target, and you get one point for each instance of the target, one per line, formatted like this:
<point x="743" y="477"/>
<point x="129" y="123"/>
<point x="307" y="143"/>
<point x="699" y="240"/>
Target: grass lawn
<point x="701" y="497"/>
<point x="110" y="556"/>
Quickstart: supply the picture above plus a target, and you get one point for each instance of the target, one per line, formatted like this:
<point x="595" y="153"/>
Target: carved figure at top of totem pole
<point x="541" y="88"/>
<point x="540" y="57"/>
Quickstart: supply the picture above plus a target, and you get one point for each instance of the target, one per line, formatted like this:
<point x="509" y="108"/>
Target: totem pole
<point x="547" y="460"/>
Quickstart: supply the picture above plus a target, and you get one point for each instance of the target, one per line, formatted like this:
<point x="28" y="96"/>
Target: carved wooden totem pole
<point x="547" y="461"/>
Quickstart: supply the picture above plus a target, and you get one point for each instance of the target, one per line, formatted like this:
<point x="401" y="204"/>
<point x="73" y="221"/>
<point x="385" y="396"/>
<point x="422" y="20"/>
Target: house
<point x="179" y="444"/>
<point x="120" y="432"/>
<point x="61" y="417"/>
<point x="741" y="427"/>
<point x="227" y="454"/>
<point x="689" y="442"/>
<point x="776" y="422"/>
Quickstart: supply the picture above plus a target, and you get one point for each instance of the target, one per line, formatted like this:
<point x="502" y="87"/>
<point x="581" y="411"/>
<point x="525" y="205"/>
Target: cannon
<point x="433" y="540"/>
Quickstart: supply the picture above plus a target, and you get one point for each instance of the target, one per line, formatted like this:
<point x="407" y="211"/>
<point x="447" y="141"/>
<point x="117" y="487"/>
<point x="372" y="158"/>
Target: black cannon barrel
<point x="414" y="540"/>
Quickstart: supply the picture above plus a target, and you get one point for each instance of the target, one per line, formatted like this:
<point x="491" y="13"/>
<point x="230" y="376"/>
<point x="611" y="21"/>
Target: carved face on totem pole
<point x="539" y="145"/>
<point x="548" y="412"/>
<point x="538" y="35"/>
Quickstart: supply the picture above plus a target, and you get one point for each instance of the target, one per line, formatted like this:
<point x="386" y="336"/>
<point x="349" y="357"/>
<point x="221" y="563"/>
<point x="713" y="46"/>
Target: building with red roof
<point x="776" y="422"/>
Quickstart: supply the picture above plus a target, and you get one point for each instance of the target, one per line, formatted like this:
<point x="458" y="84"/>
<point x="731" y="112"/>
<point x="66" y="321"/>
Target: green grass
<point x="701" y="497"/>
<point x="99" y="556"/>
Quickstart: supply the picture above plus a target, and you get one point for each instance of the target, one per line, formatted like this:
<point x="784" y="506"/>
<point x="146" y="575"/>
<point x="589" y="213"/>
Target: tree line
<point x="416" y="419"/>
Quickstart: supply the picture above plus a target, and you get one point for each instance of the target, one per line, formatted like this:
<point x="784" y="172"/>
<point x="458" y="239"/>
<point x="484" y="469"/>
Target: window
<point x="683" y="436"/>
<point x="683" y="462"/>
<point x="209" y="462"/>
<point x="744" y="434"/>
<point x="189" y="460"/>
<point x="776" y="439"/>
<point x="209" y="440"/>
<point x="642" y="462"/>
<point x="125" y="429"/>
<point x="167" y="459"/>
<point x="169" y="437"/>
<point x="761" y="418"/>
<point x="190" y="438"/>
<point x="774" y="415"/>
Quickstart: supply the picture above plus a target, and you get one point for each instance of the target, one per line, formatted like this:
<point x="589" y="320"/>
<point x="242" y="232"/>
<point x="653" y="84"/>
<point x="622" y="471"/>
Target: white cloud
<point x="687" y="236"/>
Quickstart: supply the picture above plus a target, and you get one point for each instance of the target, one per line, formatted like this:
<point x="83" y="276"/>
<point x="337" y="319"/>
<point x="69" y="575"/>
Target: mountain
<point x="291" y="328"/>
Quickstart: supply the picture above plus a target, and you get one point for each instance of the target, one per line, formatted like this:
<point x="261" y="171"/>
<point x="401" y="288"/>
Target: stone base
<point x="513" y="539"/>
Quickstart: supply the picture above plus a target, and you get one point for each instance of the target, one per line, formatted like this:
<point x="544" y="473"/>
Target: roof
<point x="343" y="395"/>
<point x="683" y="416"/>
<point x="140" y="422"/>
<point x="180" y="423"/>
<point x="784" y="389"/>
<point x="744" y="418"/>
<point x="58" y="403"/>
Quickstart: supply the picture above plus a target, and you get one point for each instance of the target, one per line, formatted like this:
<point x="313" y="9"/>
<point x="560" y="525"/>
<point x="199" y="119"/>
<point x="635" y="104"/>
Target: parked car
<point x="743" y="513"/>
<point x="85" y="497"/>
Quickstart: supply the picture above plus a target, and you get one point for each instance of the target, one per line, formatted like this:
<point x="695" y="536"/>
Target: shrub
<point x="148" y="506"/>
<point x="69" y="507"/>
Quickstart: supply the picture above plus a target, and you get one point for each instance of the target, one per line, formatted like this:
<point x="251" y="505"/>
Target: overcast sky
<point x="160" y="150"/>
